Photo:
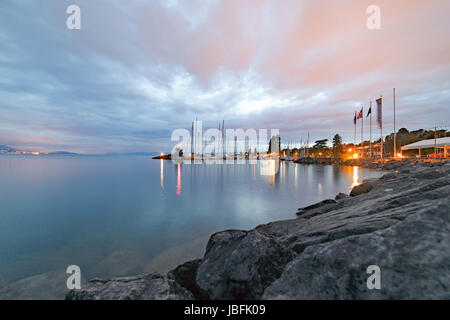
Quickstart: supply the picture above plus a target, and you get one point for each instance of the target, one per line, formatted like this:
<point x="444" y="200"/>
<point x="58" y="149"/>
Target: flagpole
<point x="381" y="128"/>
<point x="354" y="136"/>
<point x="395" y="132"/>
<point x="371" y="129"/>
<point x="362" y="135"/>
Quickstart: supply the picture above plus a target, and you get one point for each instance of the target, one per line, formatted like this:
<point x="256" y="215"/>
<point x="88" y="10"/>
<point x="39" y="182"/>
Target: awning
<point x="440" y="142"/>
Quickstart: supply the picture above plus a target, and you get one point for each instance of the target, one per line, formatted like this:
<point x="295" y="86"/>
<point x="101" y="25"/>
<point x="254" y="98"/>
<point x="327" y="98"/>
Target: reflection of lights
<point x="162" y="173"/>
<point x="355" y="177"/>
<point x="269" y="168"/>
<point x="319" y="191"/>
<point x="295" y="175"/>
<point x="179" y="179"/>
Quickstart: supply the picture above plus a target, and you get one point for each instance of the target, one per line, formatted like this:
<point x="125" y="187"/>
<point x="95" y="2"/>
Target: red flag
<point x="360" y="115"/>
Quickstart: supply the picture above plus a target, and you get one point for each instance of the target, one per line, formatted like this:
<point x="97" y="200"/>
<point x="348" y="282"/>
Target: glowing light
<point x="350" y="150"/>
<point x="269" y="168"/>
<point x="162" y="174"/>
<point x="355" y="177"/>
<point x="355" y="156"/>
<point x="399" y="155"/>
<point x="295" y="175"/>
<point x="179" y="179"/>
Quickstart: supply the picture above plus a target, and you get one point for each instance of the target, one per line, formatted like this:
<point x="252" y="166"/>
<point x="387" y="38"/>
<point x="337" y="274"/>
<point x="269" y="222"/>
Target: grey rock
<point x="413" y="257"/>
<point x="319" y="204"/>
<point x="341" y="196"/>
<point x="185" y="275"/>
<point x="318" y="208"/>
<point x="151" y="286"/>
<point x="240" y="265"/>
<point x="362" y="188"/>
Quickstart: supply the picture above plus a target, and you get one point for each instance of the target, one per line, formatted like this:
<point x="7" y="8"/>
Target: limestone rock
<point x="361" y="189"/>
<point x="413" y="257"/>
<point x="144" y="287"/>
<point x="240" y="265"/>
<point x="185" y="275"/>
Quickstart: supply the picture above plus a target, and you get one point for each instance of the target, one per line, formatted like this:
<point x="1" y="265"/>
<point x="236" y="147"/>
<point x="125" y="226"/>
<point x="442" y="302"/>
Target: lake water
<point x="123" y="215"/>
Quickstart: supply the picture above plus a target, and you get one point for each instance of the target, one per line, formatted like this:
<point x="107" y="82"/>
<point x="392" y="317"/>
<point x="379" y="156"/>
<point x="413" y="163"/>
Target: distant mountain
<point x="130" y="153"/>
<point x="63" y="153"/>
<point x="6" y="148"/>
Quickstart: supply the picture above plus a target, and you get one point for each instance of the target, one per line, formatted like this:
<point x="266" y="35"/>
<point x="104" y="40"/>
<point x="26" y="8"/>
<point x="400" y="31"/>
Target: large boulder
<point x="362" y="188"/>
<point x="318" y="208"/>
<point x="185" y="275"/>
<point x="413" y="257"/>
<point x="240" y="264"/>
<point x="151" y="286"/>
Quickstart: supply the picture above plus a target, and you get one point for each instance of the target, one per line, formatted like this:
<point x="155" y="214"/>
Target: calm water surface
<point x="122" y="215"/>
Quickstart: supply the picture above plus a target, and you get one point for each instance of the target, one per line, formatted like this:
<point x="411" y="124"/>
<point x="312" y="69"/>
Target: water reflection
<point x="162" y="174"/>
<point x="128" y="202"/>
<point x="271" y="169"/>
<point x="179" y="179"/>
<point x="295" y="176"/>
<point x="355" y="178"/>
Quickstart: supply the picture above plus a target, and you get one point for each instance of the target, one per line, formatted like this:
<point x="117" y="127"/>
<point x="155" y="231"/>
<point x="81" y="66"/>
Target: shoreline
<point x="399" y="221"/>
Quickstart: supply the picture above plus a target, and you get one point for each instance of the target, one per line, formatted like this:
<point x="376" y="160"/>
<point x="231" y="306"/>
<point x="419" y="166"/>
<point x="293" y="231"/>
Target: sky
<point x="137" y="70"/>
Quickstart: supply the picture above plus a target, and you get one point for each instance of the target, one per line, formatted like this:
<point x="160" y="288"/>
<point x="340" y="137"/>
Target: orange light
<point x="355" y="156"/>
<point x="350" y="150"/>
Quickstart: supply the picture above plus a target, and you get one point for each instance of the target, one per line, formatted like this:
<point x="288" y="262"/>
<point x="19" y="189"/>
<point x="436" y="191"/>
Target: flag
<point x="354" y="118"/>
<point x="360" y="115"/>
<point x="380" y="112"/>
<point x="369" y="112"/>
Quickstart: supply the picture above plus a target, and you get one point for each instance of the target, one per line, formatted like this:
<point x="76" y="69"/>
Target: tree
<point x="403" y="131"/>
<point x="320" y="146"/>
<point x="337" y="146"/>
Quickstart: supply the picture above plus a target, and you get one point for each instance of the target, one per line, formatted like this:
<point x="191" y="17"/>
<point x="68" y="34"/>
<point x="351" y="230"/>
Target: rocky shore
<point x="399" y="222"/>
<point x="384" y="164"/>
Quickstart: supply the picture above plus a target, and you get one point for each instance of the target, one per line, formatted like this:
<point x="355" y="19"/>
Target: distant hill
<point x="6" y="148"/>
<point x="130" y="153"/>
<point x="63" y="153"/>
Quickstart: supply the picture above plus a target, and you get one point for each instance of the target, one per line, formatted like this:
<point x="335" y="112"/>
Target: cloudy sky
<point x="139" y="69"/>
